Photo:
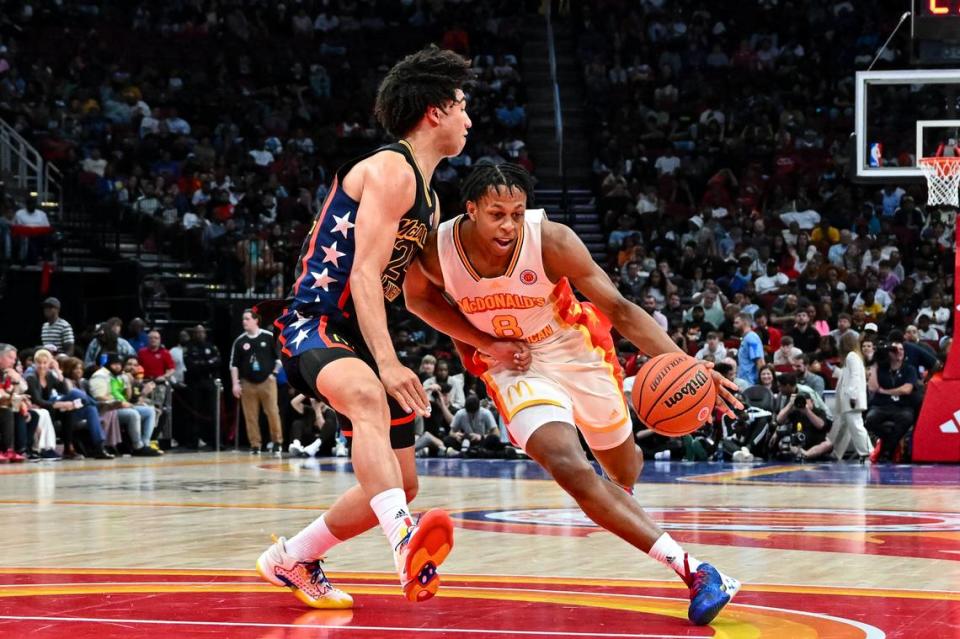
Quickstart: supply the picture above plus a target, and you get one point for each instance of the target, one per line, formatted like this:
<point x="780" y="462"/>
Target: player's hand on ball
<point x="726" y="401"/>
<point x="514" y="355"/>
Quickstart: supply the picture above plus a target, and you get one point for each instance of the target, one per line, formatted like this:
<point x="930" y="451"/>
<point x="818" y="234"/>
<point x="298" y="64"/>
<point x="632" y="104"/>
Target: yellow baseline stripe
<point x="938" y="595"/>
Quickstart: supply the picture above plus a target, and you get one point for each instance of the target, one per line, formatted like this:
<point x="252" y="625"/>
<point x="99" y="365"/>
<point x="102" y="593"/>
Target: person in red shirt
<point x="155" y="359"/>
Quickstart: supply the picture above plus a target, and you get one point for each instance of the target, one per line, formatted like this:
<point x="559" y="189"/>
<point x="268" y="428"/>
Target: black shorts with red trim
<point x="308" y="344"/>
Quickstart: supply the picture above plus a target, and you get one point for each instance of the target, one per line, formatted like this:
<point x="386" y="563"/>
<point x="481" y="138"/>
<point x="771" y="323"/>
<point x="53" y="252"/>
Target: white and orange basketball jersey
<point x="574" y="376"/>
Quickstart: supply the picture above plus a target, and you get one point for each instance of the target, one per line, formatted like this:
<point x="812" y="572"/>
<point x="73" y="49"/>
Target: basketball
<point x="674" y="394"/>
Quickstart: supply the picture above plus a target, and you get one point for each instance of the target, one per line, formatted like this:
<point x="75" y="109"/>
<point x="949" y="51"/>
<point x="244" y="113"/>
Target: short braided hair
<point x="487" y="175"/>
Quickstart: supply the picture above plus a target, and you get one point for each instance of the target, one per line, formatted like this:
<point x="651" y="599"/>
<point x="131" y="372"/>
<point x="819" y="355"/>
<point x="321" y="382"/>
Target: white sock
<point x="391" y="509"/>
<point x="313" y="541"/>
<point x="669" y="553"/>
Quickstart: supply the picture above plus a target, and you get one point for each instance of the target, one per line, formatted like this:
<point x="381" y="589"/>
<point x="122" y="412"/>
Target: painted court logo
<point x="528" y="277"/>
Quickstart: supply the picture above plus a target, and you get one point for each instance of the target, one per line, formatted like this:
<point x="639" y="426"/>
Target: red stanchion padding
<point x="936" y="437"/>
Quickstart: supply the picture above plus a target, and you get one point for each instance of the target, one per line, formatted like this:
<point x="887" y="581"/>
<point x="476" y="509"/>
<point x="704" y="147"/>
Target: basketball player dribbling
<point x="333" y="331"/>
<point x="510" y="271"/>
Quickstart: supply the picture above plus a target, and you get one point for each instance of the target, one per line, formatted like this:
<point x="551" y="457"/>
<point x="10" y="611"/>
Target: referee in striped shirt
<point x="56" y="331"/>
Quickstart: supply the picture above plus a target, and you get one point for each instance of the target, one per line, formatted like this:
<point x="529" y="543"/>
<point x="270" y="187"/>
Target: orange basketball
<point x="674" y="394"/>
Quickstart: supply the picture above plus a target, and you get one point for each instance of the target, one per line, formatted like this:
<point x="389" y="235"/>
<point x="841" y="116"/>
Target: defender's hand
<point x="402" y="384"/>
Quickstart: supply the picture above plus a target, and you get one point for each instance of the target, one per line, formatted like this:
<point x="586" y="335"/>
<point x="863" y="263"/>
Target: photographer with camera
<point x="892" y="408"/>
<point x="802" y="421"/>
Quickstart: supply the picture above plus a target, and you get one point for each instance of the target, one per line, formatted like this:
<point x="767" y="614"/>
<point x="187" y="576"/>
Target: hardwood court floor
<point x="166" y="547"/>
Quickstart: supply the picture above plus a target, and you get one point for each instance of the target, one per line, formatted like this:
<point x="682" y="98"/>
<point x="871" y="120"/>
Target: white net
<point x="943" y="180"/>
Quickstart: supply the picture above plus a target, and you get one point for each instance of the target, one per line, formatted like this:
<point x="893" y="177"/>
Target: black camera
<point x="800" y="402"/>
<point x="788" y="436"/>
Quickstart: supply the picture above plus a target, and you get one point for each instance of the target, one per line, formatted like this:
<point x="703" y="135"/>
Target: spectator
<point x="802" y="419"/>
<point x="428" y="364"/>
<point x="650" y="306"/>
<point x="156" y="360"/>
<point x="750" y="354"/>
<point x="713" y="350"/>
<point x="804" y="335"/>
<point x="844" y="323"/>
<point x="442" y="376"/>
<point x="696" y="328"/>
<point x="33" y="227"/>
<point x="318" y="427"/>
<point x="851" y="402"/>
<point x="107" y="340"/>
<point x="472" y="424"/>
<point x="939" y="314"/>
<point x="202" y="360"/>
<point x="48" y="390"/>
<point x="254" y="364"/>
<point x="511" y="116"/>
<point x="107" y="385"/>
<point x="12" y="385"/>
<point x="177" y="355"/>
<point x="137" y="331"/>
<point x="801" y="368"/>
<point x="767" y="377"/>
<point x="920" y="356"/>
<point x="774" y="282"/>
<point x="56" y="330"/>
<point x="712" y="306"/>
<point x="925" y="331"/>
<point x="891" y="413"/>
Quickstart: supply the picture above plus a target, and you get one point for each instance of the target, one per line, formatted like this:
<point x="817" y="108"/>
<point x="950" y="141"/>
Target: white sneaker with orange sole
<point x="305" y="578"/>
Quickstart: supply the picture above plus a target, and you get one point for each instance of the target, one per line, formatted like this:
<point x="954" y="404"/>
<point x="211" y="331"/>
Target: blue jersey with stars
<point x="320" y="308"/>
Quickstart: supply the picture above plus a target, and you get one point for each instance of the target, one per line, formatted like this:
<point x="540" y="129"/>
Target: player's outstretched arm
<point x="423" y="292"/>
<point x="388" y="192"/>
<point x="564" y="254"/>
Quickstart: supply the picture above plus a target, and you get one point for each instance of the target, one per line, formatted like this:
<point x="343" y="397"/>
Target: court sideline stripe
<point x="237" y="624"/>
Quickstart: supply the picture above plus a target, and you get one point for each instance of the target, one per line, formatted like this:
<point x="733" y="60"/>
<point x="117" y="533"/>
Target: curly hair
<point x="429" y="77"/>
<point x="488" y="174"/>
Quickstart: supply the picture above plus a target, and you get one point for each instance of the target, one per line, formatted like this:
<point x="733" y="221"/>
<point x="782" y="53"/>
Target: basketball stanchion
<point x="936" y="436"/>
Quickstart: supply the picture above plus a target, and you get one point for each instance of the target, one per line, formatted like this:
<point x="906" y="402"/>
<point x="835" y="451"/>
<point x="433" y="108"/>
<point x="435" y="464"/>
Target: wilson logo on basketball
<point x="528" y="277"/>
<point x="703" y="414"/>
<point x="663" y="372"/>
<point x="689" y="389"/>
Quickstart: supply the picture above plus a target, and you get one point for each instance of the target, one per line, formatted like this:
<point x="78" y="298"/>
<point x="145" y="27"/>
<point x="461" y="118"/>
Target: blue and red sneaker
<point x="710" y="591"/>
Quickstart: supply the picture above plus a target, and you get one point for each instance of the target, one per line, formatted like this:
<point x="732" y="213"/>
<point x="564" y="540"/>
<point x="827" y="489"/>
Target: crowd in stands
<point x="130" y="395"/>
<point x="215" y="134"/>
<point x="722" y="169"/>
<point x="721" y="174"/>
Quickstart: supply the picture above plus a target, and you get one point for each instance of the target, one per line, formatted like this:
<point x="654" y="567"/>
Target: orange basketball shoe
<point x="305" y="578"/>
<point x="420" y="552"/>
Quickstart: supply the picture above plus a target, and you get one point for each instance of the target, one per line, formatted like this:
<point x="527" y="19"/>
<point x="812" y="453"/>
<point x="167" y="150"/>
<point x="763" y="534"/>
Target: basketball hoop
<point x="943" y="180"/>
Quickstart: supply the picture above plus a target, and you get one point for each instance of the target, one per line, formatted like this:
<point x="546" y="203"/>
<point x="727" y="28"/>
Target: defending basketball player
<point x="510" y="271"/>
<point x="334" y="339"/>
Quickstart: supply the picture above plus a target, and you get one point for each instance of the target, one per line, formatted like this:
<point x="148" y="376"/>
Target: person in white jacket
<point x="851" y="402"/>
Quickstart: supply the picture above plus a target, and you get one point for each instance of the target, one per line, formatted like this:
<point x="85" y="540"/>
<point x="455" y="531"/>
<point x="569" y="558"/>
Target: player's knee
<point x="364" y="403"/>
<point x="573" y="474"/>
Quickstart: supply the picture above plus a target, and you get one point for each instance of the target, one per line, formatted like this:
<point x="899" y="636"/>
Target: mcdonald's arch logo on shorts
<point x="519" y="389"/>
